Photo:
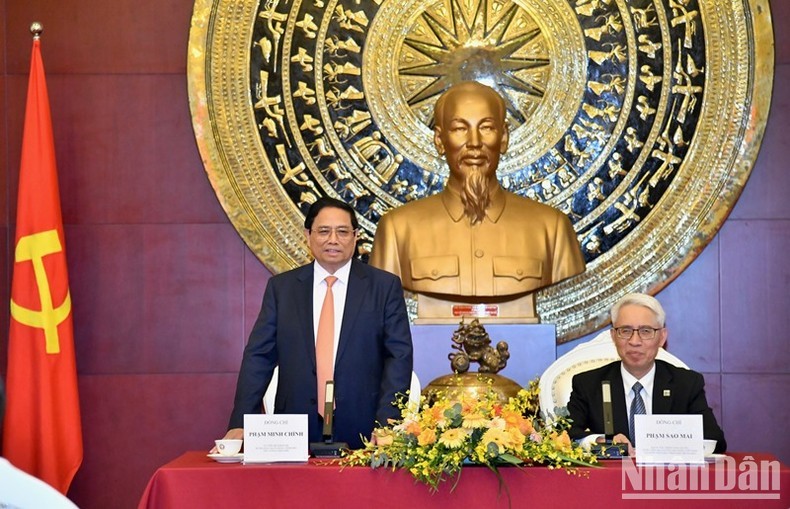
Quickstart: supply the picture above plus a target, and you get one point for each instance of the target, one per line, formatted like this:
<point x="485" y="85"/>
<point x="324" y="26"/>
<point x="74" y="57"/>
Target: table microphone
<point x="329" y="410"/>
<point x="609" y="449"/>
<point x="608" y="417"/>
<point x="328" y="448"/>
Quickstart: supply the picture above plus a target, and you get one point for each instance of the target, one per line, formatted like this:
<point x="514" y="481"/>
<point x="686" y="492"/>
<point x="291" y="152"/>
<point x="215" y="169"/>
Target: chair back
<point x="555" y="383"/>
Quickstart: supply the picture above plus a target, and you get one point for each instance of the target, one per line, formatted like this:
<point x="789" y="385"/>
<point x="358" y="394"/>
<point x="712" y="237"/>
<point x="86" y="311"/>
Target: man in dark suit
<point x="371" y="336"/>
<point x="638" y="331"/>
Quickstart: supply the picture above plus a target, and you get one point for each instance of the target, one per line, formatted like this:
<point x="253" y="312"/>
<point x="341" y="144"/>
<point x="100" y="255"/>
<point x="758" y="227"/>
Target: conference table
<point x="740" y="480"/>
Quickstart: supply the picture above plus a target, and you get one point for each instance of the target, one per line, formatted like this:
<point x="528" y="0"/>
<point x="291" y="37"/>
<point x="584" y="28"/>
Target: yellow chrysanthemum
<point x="474" y="421"/>
<point x="516" y="420"/>
<point x="435" y="415"/>
<point x="453" y="438"/>
<point x="511" y="417"/>
<point x="499" y="437"/>
<point x="498" y="423"/>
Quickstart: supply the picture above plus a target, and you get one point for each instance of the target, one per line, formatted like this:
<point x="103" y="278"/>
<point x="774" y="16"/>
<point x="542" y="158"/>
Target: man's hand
<point x="232" y="434"/>
<point x="382" y="437"/>
<point x="619" y="439"/>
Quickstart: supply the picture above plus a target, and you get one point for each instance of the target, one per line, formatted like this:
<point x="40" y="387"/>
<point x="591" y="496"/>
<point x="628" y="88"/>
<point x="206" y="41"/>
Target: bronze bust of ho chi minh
<point x="475" y="249"/>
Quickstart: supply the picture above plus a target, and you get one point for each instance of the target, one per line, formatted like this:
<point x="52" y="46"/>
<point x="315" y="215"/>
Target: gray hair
<point x="640" y="299"/>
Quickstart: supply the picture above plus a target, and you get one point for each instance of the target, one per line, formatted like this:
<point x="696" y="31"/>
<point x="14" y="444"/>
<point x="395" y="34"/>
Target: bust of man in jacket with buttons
<point x="475" y="242"/>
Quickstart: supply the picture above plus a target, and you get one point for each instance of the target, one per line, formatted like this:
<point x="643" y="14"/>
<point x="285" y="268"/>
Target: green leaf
<point x="510" y="459"/>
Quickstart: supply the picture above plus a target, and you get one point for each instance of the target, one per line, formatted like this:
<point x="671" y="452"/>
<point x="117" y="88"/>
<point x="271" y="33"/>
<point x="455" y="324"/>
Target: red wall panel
<point x="126" y="151"/>
<point x="156" y="298"/>
<point x="132" y="424"/>
<point x="100" y="37"/>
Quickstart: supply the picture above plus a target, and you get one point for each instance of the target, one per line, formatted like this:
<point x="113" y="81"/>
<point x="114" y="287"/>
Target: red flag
<point x="42" y="433"/>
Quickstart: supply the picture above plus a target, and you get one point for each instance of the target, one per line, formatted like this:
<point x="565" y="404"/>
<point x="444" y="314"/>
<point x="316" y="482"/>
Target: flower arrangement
<point x="433" y="440"/>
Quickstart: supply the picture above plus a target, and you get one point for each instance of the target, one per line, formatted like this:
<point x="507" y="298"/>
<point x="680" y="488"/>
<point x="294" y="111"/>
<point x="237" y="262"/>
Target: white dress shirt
<point x="629" y="380"/>
<point x="647" y="388"/>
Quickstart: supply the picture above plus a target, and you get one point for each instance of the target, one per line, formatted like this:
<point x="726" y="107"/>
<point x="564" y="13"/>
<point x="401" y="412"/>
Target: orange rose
<point x="525" y="426"/>
<point x="427" y="437"/>
<point x="413" y="428"/>
<point x="516" y="437"/>
<point x="561" y="441"/>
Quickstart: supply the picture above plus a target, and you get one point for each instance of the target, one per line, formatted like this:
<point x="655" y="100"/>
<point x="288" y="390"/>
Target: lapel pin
<point x="666" y="393"/>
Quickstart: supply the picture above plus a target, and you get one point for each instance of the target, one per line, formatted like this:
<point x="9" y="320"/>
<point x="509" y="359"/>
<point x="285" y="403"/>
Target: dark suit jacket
<point x="686" y="396"/>
<point x="373" y="361"/>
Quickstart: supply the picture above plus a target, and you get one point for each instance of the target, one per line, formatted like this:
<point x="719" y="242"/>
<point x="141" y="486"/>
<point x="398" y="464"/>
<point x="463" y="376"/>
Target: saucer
<point x="221" y="458"/>
<point x="714" y="456"/>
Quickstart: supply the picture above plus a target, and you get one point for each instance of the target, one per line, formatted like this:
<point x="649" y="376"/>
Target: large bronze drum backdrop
<point x="639" y="119"/>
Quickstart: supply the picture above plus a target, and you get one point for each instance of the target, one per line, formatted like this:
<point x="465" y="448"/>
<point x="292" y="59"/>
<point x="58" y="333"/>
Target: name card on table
<point x="270" y="438"/>
<point x="668" y="438"/>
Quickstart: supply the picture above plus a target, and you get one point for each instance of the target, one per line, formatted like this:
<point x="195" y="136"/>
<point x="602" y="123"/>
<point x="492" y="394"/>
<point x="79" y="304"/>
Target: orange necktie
<point x="325" y="343"/>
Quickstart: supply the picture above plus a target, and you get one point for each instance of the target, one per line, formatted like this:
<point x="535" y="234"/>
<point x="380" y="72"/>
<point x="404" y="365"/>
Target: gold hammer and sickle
<point x="34" y="248"/>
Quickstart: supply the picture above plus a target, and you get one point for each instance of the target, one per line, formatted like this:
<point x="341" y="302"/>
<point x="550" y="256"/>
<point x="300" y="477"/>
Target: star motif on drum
<point x="488" y="41"/>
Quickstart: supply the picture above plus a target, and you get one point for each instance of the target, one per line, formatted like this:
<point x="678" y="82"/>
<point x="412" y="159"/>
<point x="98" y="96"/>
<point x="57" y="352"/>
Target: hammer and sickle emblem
<point x="34" y="248"/>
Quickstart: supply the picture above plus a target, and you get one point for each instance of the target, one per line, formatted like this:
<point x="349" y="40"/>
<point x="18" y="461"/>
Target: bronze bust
<point x="475" y="243"/>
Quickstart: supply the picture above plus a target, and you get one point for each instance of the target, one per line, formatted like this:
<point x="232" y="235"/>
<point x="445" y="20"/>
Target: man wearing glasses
<point x="335" y="319"/>
<point x="640" y="384"/>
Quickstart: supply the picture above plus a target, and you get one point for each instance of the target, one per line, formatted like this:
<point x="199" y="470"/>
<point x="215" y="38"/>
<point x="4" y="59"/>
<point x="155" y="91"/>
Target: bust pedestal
<point x="488" y="310"/>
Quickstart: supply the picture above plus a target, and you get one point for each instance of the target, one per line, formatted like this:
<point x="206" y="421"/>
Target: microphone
<point x="609" y="449"/>
<point x="608" y="416"/>
<point x="328" y="448"/>
<point x="329" y="410"/>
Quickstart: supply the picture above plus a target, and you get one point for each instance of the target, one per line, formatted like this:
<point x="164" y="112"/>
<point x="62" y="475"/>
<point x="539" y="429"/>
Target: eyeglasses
<point x="342" y="232"/>
<point x="645" y="333"/>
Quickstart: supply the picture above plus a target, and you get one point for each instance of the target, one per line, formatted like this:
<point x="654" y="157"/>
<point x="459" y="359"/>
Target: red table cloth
<point x="195" y="481"/>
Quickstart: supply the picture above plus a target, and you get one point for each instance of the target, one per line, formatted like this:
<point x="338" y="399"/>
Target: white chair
<point x="555" y="383"/>
<point x="414" y="389"/>
<point x="271" y="391"/>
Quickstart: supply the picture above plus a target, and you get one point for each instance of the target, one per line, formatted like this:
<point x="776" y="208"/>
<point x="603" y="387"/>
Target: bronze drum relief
<point x="640" y="120"/>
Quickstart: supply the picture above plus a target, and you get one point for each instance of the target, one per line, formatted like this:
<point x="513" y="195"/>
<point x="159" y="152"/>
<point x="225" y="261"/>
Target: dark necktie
<point x="637" y="408"/>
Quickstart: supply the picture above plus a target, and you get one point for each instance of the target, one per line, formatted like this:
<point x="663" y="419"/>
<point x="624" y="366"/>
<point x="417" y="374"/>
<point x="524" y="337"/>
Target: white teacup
<point x="228" y="447"/>
<point x="709" y="446"/>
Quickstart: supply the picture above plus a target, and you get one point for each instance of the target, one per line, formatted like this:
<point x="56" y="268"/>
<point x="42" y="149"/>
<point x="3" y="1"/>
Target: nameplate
<point x="475" y="310"/>
<point x="507" y="309"/>
<point x="272" y="438"/>
<point x="667" y="438"/>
